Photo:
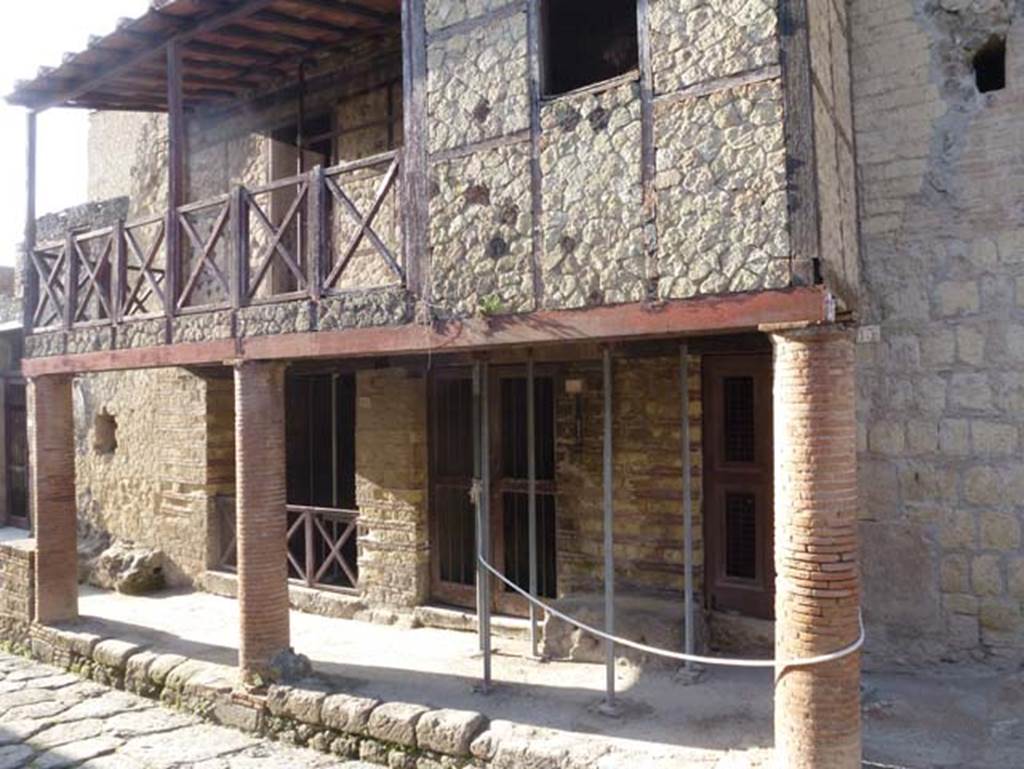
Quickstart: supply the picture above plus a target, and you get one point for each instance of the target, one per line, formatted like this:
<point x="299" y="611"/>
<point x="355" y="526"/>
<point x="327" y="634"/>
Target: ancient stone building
<point x="719" y="305"/>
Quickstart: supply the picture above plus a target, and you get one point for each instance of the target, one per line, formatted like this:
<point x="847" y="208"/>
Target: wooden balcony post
<point x="70" y="280"/>
<point x="239" y="265"/>
<point x="413" y="195"/>
<point x="30" y="287"/>
<point x="120" y="277"/>
<point x="316" y="235"/>
<point x="175" y="175"/>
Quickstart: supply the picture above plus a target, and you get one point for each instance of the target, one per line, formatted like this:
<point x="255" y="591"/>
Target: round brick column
<point x="52" y="488"/>
<point x="261" y="520"/>
<point x="817" y="708"/>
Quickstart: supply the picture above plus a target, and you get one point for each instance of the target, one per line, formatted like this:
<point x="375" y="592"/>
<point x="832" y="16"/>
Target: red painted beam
<point x="690" y="317"/>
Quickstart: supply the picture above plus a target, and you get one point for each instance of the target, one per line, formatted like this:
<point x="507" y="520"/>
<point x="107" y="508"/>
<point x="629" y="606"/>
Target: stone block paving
<point x="54" y="720"/>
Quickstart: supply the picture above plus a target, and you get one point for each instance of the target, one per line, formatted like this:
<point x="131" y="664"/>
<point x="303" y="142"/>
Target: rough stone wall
<point x="647" y="458"/>
<point x="721" y="192"/>
<point x="391" y="487"/>
<point x="17" y="580"/>
<point x="477" y="86"/>
<point x="593" y="202"/>
<point x="481" y="231"/>
<point x="155" y="487"/>
<point x="942" y="381"/>
<point x="128" y="156"/>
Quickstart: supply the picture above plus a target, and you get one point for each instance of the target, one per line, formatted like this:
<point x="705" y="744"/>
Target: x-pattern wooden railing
<point x="49" y="261"/>
<point x="324" y="533"/>
<point x="93" y="254"/>
<point x="364" y="222"/>
<point x="276" y="249"/>
<point x="142" y="279"/>
<point x="204" y="261"/>
<point x="233" y="244"/>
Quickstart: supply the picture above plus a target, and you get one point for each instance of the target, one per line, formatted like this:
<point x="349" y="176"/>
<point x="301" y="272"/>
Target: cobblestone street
<point x="51" y="720"/>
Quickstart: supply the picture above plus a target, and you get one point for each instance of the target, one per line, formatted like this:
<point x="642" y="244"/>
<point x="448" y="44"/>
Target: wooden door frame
<point x="445" y="592"/>
<point x="508" y="601"/>
<point x="754" y="598"/>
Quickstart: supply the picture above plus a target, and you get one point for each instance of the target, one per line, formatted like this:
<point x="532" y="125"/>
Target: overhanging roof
<point x="229" y="48"/>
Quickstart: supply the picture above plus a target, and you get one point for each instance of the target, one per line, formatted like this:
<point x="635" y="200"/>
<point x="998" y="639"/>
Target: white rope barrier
<point x="699" y="659"/>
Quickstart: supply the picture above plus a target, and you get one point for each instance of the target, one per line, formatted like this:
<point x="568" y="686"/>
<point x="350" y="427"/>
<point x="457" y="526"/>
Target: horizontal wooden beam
<point x="690" y="317"/>
<point x="202" y="25"/>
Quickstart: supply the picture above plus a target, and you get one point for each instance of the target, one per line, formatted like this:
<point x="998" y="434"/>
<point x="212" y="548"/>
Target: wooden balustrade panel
<point x="364" y="239"/>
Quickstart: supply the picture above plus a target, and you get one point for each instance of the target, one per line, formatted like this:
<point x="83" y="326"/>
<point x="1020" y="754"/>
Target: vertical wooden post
<point x="315" y="236"/>
<point x="120" y="280"/>
<point x="70" y="280"/>
<point x="413" y="195"/>
<point x="647" y="150"/>
<point x="175" y="175"/>
<point x="30" y="277"/>
<point x="239" y="265"/>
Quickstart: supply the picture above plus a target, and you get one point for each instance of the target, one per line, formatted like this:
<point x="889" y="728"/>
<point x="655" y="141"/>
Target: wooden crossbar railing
<point x="329" y="230"/>
<point x="321" y="546"/>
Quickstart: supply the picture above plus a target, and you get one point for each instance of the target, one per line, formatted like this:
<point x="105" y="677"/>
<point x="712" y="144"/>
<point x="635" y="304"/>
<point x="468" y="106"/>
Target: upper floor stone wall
<point x="593" y="197"/>
<point x="712" y="220"/>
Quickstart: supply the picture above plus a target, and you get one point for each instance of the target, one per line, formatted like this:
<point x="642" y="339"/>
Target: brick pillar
<point x="817" y="708"/>
<point x="52" y="463"/>
<point x="261" y="519"/>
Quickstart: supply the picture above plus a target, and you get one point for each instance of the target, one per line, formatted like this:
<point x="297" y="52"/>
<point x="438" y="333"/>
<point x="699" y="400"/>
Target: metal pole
<point x="684" y="432"/>
<point x="531" y="470"/>
<point x="477" y="504"/>
<point x="485" y="516"/>
<point x="609" y="539"/>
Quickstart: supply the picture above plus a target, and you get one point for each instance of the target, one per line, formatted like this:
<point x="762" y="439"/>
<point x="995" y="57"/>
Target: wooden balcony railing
<point x="322" y="232"/>
<point x="322" y="546"/>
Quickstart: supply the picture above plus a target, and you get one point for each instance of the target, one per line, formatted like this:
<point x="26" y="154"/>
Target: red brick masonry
<point x="817" y="709"/>
<point x="262" y="535"/>
<point x="52" y="486"/>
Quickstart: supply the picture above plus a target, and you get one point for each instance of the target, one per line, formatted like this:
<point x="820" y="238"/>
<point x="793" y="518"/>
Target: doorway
<point x="739" y="519"/>
<point x="452" y="474"/>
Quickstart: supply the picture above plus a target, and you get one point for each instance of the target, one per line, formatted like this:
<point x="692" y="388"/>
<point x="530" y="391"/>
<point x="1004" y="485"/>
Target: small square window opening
<point x="588" y="42"/>
<point x="990" y="65"/>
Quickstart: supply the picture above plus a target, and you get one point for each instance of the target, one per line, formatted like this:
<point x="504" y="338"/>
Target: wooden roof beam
<point x="205" y="24"/>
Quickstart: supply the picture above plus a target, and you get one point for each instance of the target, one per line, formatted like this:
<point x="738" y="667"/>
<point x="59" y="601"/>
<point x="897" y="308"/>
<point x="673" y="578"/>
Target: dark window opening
<point x="990" y="65"/>
<point x="321" y="473"/>
<point x="16" y="438"/>
<point x="738" y="411"/>
<point x="104" y="433"/>
<point x="587" y="42"/>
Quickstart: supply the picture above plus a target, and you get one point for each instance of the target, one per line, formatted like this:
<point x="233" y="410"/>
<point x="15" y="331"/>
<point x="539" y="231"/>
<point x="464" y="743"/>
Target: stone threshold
<point x="329" y="603"/>
<point x="313" y="713"/>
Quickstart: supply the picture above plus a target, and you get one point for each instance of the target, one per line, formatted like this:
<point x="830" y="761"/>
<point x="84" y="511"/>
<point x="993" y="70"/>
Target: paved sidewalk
<point x="50" y="719"/>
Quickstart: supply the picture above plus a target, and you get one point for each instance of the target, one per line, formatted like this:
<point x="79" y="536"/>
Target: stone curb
<point x="401" y="735"/>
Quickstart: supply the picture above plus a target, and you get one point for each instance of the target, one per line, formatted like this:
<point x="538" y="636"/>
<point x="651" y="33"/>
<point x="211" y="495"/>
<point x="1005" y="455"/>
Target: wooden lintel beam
<point x="702" y="316"/>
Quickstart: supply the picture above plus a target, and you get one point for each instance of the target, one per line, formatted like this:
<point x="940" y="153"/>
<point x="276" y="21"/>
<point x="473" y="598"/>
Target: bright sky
<point x="35" y="34"/>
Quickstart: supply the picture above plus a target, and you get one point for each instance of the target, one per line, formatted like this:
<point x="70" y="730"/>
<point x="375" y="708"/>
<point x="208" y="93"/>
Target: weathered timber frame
<point x="801" y="153"/>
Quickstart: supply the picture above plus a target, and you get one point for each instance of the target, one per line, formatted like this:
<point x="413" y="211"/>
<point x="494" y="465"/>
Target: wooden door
<point x="511" y="498"/>
<point x="453" y="516"/>
<point x="739" y="567"/>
